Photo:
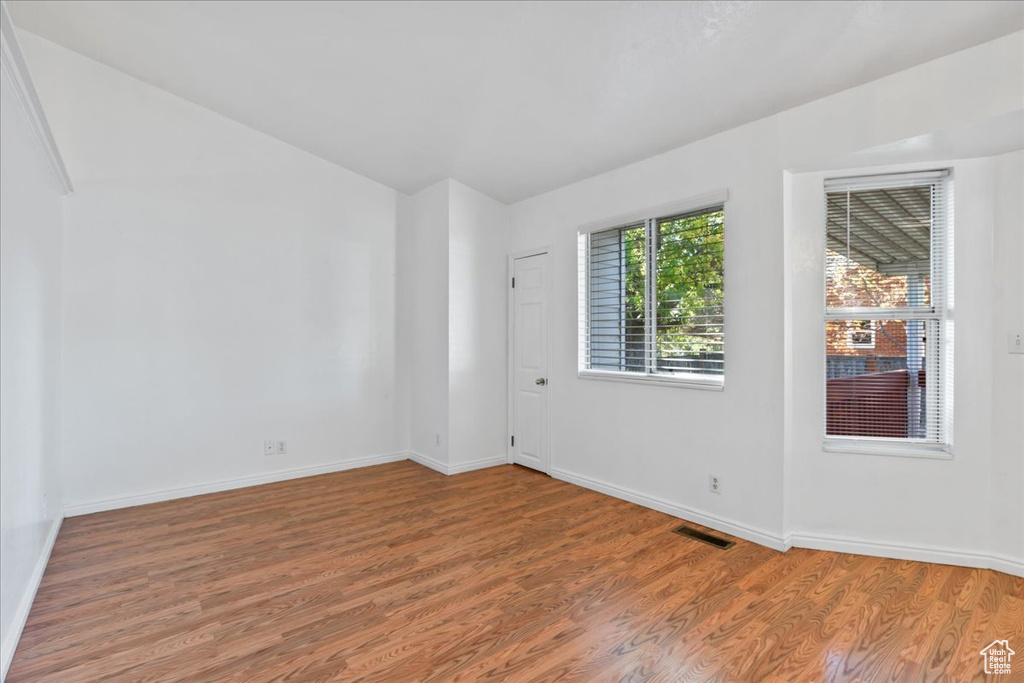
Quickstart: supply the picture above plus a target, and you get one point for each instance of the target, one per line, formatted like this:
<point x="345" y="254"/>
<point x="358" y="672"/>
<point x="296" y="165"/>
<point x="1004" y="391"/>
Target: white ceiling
<point x="514" y="98"/>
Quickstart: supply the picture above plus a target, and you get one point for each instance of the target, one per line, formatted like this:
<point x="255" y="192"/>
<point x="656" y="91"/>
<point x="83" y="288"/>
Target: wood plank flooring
<point x="398" y="573"/>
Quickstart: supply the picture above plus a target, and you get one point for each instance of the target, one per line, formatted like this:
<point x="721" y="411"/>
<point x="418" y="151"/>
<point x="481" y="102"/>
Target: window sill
<point x="683" y="381"/>
<point x="897" y="449"/>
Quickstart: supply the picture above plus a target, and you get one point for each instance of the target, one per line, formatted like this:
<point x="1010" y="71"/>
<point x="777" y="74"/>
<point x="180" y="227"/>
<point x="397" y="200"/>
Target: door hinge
<point x="513" y="441"/>
<point x="513" y="283"/>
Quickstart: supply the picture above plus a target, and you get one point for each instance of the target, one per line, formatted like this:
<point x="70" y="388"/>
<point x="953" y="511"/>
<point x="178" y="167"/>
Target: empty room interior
<point x="521" y="341"/>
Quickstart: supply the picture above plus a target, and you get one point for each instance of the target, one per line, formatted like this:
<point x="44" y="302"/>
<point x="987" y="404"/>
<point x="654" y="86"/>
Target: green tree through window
<point x="671" y="323"/>
<point x="690" y="288"/>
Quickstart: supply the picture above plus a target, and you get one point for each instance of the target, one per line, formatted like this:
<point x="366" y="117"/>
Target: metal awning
<point x="887" y="229"/>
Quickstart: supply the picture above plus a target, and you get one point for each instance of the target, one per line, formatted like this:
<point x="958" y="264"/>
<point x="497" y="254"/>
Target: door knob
<point x="540" y="381"/>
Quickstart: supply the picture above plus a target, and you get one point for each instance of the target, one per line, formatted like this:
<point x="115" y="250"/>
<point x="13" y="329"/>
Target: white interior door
<point x="530" y="362"/>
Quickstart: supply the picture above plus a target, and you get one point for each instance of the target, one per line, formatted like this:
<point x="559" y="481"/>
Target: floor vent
<point x="690" y="532"/>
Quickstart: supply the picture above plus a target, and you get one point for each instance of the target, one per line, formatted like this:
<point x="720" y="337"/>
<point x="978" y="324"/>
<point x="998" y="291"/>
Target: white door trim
<point x="510" y="307"/>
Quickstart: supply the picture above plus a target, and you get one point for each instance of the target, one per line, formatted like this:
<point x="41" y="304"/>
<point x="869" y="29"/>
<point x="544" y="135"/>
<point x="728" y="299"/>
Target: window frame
<point x="940" y="302"/>
<point x="649" y="218"/>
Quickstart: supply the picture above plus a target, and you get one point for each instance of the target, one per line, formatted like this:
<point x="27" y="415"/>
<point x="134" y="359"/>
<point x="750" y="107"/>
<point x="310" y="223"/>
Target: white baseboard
<point x="106" y="504"/>
<point x="898" y="551"/>
<point x="458" y="468"/>
<point x="480" y="464"/>
<point x="812" y="541"/>
<point x="25" y="606"/>
<point x="744" y="531"/>
<point x="228" y="484"/>
<point x="1007" y="565"/>
<point x="427" y="461"/>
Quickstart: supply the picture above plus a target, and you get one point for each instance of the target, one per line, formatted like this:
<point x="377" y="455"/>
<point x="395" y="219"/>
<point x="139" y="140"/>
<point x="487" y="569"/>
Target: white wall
<point x="478" y="285"/>
<point x="745" y="434"/>
<point x="30" y="364"/>
<point x="221" y="288"/>
<point x="1008" y="370"/>
<point x="423" y="317"/>
<point x="452" y="324"/>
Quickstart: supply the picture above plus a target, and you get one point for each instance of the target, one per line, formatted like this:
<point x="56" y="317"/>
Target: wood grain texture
<point x="398" y="573"/>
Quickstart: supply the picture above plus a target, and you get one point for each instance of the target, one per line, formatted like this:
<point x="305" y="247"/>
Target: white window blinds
<point x="651" y="295"/>
<point x="888" y="308"/>
<point x="617" y="335"/>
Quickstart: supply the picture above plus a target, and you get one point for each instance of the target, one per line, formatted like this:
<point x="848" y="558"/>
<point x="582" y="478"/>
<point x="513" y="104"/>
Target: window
<point x="888" y="304"/>
<point x="651" y="296"/>
<point x="861" y="335"/>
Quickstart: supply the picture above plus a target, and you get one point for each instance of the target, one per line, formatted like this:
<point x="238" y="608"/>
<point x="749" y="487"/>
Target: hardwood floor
<point x="398" y="573"/>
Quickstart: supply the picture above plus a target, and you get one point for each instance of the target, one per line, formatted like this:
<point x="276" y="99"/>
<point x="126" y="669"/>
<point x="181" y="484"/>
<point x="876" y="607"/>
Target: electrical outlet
<point x="1015" y="342"/>
<point x="715" y="484"/>
<point x="282" y="447"/>
<point x="437" y="438"/>
<point x="269" y="447"/>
